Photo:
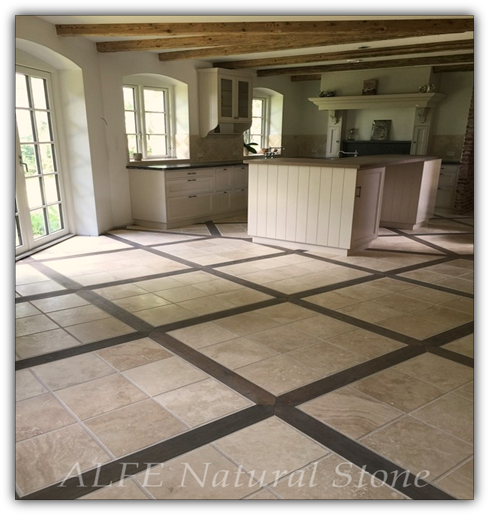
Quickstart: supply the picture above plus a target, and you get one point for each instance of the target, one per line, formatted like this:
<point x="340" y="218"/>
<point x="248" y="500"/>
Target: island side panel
<point x="148" y="195"/>
<point x="429" y="187"/>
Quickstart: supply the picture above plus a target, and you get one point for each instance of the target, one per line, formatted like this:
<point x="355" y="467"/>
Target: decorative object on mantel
<point x="328" y="93"/>
<point x="351" y="134"/>
<point x="380" y="130"/>
<point x="369" y="87"/>
<point x="427" y="88"/>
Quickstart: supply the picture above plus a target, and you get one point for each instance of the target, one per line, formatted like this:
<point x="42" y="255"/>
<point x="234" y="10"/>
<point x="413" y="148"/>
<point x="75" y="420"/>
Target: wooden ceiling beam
<point x="370" y="65"/>
<point x="454" y="68"/>
<point x="351" y="54"/>
<point x="409" y="27"/>
<point x="302" y="78"/>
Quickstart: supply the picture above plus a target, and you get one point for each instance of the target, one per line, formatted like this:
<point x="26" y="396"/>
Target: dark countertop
<point x="182" y="166"/>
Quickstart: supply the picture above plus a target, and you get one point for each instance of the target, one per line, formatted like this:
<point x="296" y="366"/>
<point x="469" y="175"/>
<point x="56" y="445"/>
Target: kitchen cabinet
<point x="445" y="193"/>
<point x="169" y="199"/>
<point x="225" y="101"/>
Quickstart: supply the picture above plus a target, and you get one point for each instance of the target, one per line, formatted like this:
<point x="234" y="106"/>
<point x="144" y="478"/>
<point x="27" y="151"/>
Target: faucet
<point x="354" y="154"/>
<point x="272" y="151"/>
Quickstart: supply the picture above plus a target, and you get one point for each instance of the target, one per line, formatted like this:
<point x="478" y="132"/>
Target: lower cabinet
<point x="176" y="198"/>
<point x="447" y="183"/>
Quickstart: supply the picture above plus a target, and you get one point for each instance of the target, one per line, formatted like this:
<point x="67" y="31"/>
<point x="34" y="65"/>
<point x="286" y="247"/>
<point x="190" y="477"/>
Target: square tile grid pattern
<point x="196" y="364"/>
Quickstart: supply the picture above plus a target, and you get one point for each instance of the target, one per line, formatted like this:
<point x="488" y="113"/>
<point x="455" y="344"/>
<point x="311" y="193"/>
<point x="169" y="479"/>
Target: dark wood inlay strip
<point x="453" y="356"/>
<point x="450" y="335"/>
<point x="211" y="227"/>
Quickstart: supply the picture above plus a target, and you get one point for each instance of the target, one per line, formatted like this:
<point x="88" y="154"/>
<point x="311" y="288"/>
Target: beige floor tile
<point x="33" y="324"/>
<point x="447" y="269"/>
<point x="371" y="311"/>
<point x="238" y="353"/>
<point x="262" y="495"/>
<point x="194" y="278"/>
<point x="286" y="313"/>
<point x="182" y="293"/>
<point x="100" y="396"/>
<point x="27" y="386"/>
<point x="133" y="427"/>
<point x="450" y="413"/>
<point x="460" y="243"/>
<point x="438" y="371"/>
<point x="332" y="300"/>
<point x="416" y="446"/>
<point x="161" y="283"/>
<point x="392" y="285"/>
<point x="140" y="302"/>
<point x="247" y="323"/>
<point x="429" y="295"/>
<point x="463" y="263"/>
<point x="399" y="390"/>
<point x="402" y="303"/>
<point x="122" y="490"/>
<point x="243" y="296"/>
<point x="284" y="339"/>
<point x="206" y="305"/>
<point x="39" y="415"/>
<point x="202" y="402"/>
<point x="270" y="446"/>
<point x="322" y="326"/>
<point x="164" y="375"/>
<point x="79" y="315"/>
<point x="42" y="343"/>
<point x="333" y="478"/>
<point x="363" y="292"/>
<point x="25" y="274"/>
<point x="424" y="275"/>
<point x="134" y="354"/>
<point x="25" y="309"/>
<point x="120" y="291"/>
<point x="365" y="343"/>
<point x="459" y="482"/>
<point x="165" y="315"/>
<point x="38" y="287"/>
<point x="202" y="335"/>
<point x="401" y="243"/>
<point x="56" y="454"/>
<point x="99" y="330"/>
<point x="71" y="300"/>
<point x="279" y="374"/>
<point x="458" y="283"/>
<point x="445" y="316"/>
<point x="200" y="474"/>
<point x="70" y="371"/>
<point x="463" y="346"/>
<point x="326" y="358"/>
<point x="217" y="286"/>
<point x="460" y="304"/>
<point x="350" y="412"/>
<point x="413" y="326"/>
<point x="466" y="391"/>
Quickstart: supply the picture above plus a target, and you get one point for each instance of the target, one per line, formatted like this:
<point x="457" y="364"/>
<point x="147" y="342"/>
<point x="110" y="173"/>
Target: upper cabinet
<point x="225" y="98"/>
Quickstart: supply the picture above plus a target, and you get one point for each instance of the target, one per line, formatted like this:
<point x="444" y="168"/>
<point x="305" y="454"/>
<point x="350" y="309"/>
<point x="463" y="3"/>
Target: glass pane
<point x="38" y="223"/>
<point x="34" y="192"/>
<point x="38" y="86"/>
<point x="18" y="234"/>
<point x="132" y="145"/>
<point x="257" y="108"/>
<point x="51" y="189"/>
<point x="47" y="159"/>
<point x="156" y="146"/>
<point x="29" y="159"/>
<point x="226" y="98"/>
<point x="54" y="218"/>
<point x="155" y="123"/>
<point x="154" y="100"/>
<point x="256" y="138"/>
<point x="243" y="98"/>
<point x="43" y="125"/>
<point x="21" y="95"/>
<point x="128" y="99"/>
<point x="24" y="125"/>
<point x="130" y="122"/>
<point x="256" y="125"/>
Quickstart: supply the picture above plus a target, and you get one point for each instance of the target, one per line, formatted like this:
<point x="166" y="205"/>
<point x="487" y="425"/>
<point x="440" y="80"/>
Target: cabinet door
<point x="241" y="177"/>
<point x="243" y="100"/>
<point x="191" y="206"/>
<point x="223" y="202"/>
<point x="226" y="99"/>
<point x="240" y="200"/>
<point x="366" y="214"/>
<point x="224" y="179"/>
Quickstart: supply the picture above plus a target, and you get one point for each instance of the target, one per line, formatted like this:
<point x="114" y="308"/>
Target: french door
<point x="40" y="212"/>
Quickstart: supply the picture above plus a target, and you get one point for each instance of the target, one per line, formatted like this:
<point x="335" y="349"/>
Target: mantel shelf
<point x="414" y="100"/>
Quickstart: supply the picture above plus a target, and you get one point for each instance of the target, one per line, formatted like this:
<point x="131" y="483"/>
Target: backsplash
<point x="222" y="147"/>
<point x="447" y="146"/>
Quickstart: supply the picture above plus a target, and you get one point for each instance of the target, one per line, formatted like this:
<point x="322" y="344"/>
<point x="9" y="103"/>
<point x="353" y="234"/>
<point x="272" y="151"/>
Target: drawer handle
<point x="192" y="196"/>
<point x="359" y="192"/>
<point x="191" y="173"/>
<point x="191" y="180"/>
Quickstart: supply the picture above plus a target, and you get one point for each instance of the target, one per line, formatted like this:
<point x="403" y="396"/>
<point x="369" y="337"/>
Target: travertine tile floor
<point x="204" y="366"/>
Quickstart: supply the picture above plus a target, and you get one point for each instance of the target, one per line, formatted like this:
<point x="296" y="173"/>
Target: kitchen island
<point x="337" y="205"/>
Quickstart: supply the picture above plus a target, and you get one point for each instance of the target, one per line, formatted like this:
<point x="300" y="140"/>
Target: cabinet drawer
<point x="192" y="206"/>
<point x="191" y="172"/>
<point x="189" y="186"/>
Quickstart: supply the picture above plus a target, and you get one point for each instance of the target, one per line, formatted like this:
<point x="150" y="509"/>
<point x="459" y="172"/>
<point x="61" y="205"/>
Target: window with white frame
<point x="258" y="132"/>
<point x="148" y="121"/>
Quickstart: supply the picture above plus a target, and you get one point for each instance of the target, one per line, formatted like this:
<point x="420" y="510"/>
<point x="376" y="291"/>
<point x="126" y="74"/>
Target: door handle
<point x="359" y="192"/>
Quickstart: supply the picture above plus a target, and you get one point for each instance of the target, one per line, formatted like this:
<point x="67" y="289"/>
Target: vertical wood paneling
<point x="313" y="205"/>
<point x="324" y="207"/>
<point x="272" y="188"/>
<point x="291" y="210"/>
<point x="335" y="200"/>
<point x="282" y="183"/>
<point x="302" y="202"/>
<point x="261" y="210"/>
<point x="347" y="207"/>
<point x="252" y="199"/>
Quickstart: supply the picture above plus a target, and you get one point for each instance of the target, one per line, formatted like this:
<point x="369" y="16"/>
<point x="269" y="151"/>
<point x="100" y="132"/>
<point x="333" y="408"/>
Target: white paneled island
<point x="337" y="205"/>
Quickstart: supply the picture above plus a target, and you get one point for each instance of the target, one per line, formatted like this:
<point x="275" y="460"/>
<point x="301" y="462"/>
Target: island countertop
<point x="359" y="162"/>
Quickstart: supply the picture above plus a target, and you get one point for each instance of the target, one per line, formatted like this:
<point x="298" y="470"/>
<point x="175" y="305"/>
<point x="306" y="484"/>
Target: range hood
<point x="415" y="100"/>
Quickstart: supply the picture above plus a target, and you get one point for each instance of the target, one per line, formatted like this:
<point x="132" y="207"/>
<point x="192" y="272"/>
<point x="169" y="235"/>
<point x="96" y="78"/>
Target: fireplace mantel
<point x="414" y="100"/>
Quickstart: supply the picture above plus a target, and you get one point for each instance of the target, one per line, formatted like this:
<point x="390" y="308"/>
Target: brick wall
<point x="464" y="195"/>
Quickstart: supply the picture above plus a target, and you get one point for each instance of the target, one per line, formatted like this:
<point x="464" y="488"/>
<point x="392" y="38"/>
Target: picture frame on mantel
<point x="380" y="130"/>
<point x="369" y="87"/>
